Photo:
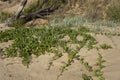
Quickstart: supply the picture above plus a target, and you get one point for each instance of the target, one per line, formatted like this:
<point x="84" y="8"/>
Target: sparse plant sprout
<point x="82" y="60"/>
<point x="91" y="43"/>
<point x="100" y="62"/>
<point x="98" y="71"/>
<point x="105" y="46"/>
<point x="57" y="55"/>
<point x="86" y="77"/>
<point x="86" y="64"/>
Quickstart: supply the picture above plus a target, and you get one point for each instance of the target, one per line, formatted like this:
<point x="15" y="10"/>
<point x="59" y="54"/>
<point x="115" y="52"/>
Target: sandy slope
<point x="13" y="69"/>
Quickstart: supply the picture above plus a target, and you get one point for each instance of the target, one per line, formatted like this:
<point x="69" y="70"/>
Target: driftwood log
<point x="17" y="14"/>
<point x="33" y="15"/>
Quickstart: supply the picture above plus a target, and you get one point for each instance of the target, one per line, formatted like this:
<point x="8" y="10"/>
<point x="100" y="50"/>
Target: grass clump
<point x="86" y="77"/>
<point x="17" y="23"/>
<point x="105" y="46"/>
<point x="4" y="16"/>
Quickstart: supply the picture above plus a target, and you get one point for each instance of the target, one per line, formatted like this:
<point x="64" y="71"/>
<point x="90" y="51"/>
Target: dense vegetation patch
<point x="28" y="41"/>
<point x="38" y="41"/>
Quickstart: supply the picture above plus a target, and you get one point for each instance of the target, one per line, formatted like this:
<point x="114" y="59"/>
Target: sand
<point x="13" y="69"/>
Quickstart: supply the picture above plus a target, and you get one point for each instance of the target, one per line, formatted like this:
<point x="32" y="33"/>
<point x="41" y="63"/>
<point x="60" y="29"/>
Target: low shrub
<point x="113" y="11"/>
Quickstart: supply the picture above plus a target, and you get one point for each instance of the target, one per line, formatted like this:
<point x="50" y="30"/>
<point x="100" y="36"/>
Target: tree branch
<point x="17" y="15"/>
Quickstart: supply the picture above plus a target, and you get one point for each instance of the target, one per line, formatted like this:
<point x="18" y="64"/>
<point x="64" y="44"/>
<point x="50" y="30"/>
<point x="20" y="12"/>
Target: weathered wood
<point x="32" y="15"/>
<point x="39" y="13"/>
<point x="17" y="15"/>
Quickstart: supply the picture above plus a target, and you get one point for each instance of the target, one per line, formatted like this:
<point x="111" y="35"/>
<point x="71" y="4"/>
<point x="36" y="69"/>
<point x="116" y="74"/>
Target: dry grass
<point x="96" y="9"/>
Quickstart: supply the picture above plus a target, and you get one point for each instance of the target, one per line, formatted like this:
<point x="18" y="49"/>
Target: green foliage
<point x="91" y="42"/>
<point x="71" y="55"/>
<point x="100" y="62"/>
<point x="28" y="41"/>
<point x="105" y="46"/>
<point x="99" y="74"/>
<point x="86" y="77"/>
<point x="86" y="64"/>
<point x="98" y="71"/>
<point x="83" y="29"/>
